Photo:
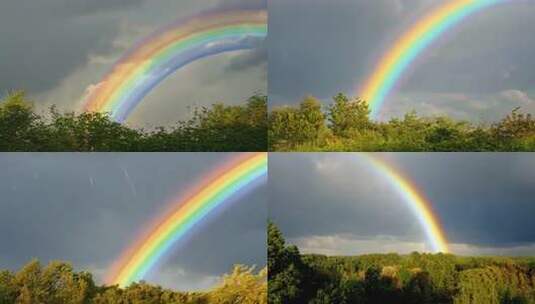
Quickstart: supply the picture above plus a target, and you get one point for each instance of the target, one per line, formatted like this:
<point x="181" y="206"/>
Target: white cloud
<point x="467" y="249"/>
<point x="71" y="92"/>
<point x="172" y="277"/>
<point x="517" y="96"/>
<point x="473" y="107"/>
<point x="179" y="279"/>
<point x="340" y="244"/>
<point x="329" y="165"/>
<point x="345" y="244"/>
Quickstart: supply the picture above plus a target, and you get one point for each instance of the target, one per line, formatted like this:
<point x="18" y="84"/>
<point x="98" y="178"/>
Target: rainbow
<point x="213" y="192"/>
<point x="149" y="62"/>
<point x="419" y="205"/>
<point x="412" y="43"/>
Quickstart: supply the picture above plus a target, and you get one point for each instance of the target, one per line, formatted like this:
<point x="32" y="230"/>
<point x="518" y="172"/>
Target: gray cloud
<point x="255" y="58"/>
<point x="483" y="200"/>
<point x="42" y="42"/>
<point x="480" y="107"/>
<point x="243" y="4"/>
<point x="87" y="208"/>
<point x="85" y="7"/>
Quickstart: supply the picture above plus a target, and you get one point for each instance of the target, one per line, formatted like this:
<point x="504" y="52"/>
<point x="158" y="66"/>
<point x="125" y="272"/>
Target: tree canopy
<point x="58" y="283"/>
<point x="392" y="278"/>
<point x="345" y="125"/>
<point x="218" y="128"/>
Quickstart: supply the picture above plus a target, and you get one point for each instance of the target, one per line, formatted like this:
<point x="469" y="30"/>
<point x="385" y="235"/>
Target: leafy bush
<point x="346" y="126"/>
<point x="219" y="128"/>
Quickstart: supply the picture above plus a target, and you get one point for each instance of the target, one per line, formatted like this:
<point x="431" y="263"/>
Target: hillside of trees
<point x="218" y="128"/>
<point x="392" y="278"/>
<point x="58" y="283"/>
<point x="345" y="125"/>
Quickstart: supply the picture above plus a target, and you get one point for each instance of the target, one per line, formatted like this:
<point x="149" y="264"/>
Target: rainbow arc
<point x="214" y="192"/>
<point x="148" y="63"/>
<point x="417" y="202"/>
<point x="217" y="190"/>
<point x="395" y="61"/>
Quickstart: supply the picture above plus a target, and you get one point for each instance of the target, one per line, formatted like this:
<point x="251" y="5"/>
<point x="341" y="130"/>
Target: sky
<point x="56" y="50"/>
<point x="88" y="208"/>
<point x="339" y="204"/>
<point x="479" y="71"/>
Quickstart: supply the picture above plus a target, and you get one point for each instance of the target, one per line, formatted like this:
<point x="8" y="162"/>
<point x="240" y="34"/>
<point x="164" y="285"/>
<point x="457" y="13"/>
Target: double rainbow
<point x="212" y="193"/>
<point x="147" y="64"/>
<point x="411" y="44"/>
<point x="417" y="202"/>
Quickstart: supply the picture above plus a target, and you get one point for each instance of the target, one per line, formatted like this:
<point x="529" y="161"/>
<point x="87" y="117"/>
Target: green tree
<point x="346" y="117"/>
<point x="419" y="289"/>
<point x="286" y="270"/>
<point x="8" y="289"/>
<point x="215" y="128"/>
<point x="20" y="127"/>
<point x="242" y="286"/>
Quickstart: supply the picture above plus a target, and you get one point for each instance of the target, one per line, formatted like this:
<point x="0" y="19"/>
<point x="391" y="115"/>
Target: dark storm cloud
<point x="483" y="200"/>
<point x="43" y="41"/>
<point x="490" y="52"/>
<point x="88" y="208"/>
<point x="85" y="7"/>
<point x="243" y="4"/>
<point x="320" y="194"/>
<point x="322" y="48"/>
<point x="254" y="58"/>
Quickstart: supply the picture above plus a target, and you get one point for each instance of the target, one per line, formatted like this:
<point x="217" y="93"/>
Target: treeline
<point x="219" y="128"/>
<point x="392" y="278"/>
<point x="58" y="283"/>
<point x="345" y="125"/>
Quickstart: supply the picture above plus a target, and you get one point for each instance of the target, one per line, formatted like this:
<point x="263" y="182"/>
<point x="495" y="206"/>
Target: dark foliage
<point x="219" y="128"/>
<point x="345" y="126"/>
<point x="391" y="278"/>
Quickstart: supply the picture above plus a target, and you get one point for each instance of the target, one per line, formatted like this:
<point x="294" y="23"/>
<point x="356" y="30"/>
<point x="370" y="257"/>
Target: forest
<point x="58" y="283"/>
<point x="345" y="125"/>
<point x="218" y="128"/>
<point x="392" y="278"/>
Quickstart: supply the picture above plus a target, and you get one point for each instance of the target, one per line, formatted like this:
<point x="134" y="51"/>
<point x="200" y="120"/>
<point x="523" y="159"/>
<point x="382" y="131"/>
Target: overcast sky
<point x="56" y="49"/>
<point x="480" y="70"/>
<point x="337" y="203"/>
<point x="88" y="208"/>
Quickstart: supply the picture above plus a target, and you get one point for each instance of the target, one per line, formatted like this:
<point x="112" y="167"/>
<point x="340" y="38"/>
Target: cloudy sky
<point x="338" y="203"/>
<point x="88" y="208"/>
<point x="56" y="49"/>
<point x="480" y="70"/>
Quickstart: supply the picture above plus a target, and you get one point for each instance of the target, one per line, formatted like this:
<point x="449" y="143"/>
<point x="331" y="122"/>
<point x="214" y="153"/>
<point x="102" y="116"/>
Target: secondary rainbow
<point x="418" y="203"/>
<point x="212" y="193"/>
<point x="412" y="43"/>
<point x="149" y="62"/>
